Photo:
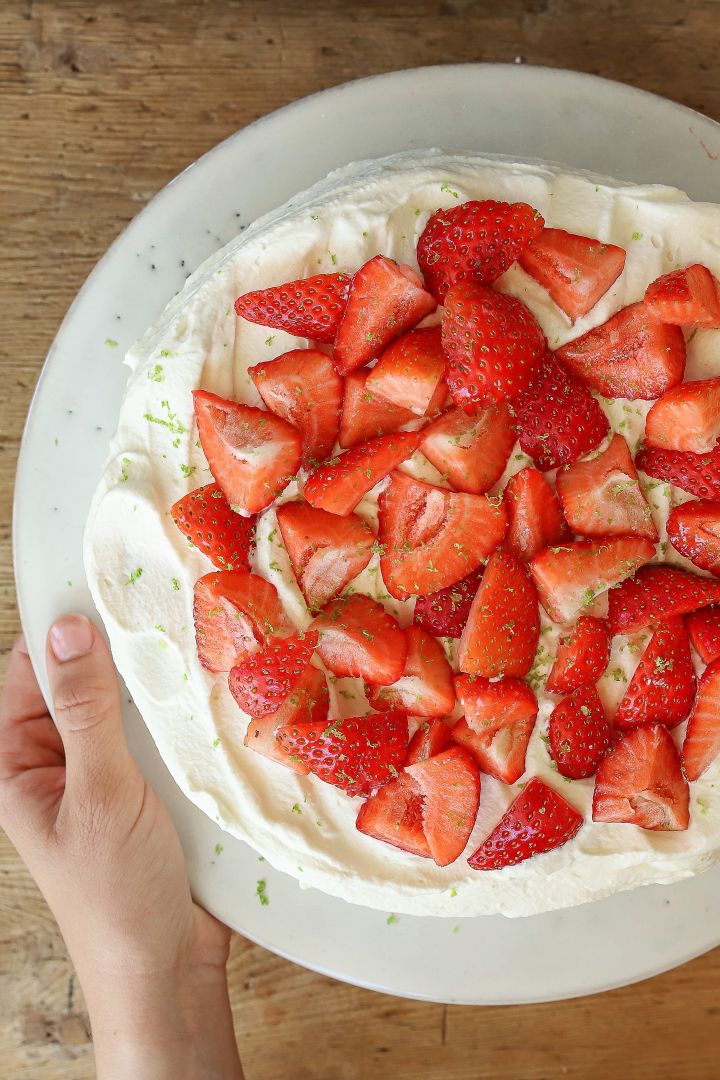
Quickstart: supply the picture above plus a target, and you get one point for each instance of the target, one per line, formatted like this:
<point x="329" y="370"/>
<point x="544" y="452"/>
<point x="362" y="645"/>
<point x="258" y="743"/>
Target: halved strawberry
<point x="688" y="297"/>
<point x="581" y="657"/>
<point x="538" y="820"/>
<point x="698" y="474"/>
<point x="449" y="784"/>
<point x="568" y="578"/>
<point x="433" y="537"/>
<point x="311" y="307"/>
<point x="236" y="614"/>
<point x="640" y="782"/>
<point x="502" y="631"/>
<point x="394" y="814"/>
<point x="558" y="418"/>
<point x="632" y="355"/>
<point x="308" y="703"/>
<point x="686" y="418"/>
<point x="339" y="485"/>
<point x="326" y="551"/>
<point x="498" y="722"/>
<point x="358" y="638"/>
<point x="251" y="453"/>
<point x="303" y="388"/>
<point x="703" y="627"/>
<point x="204" y="515"/>
<point x="431" y="738"/>
<point x="366" y="415"/>
<point x="262" y="681"/>
<point x="445" y="612"/>
<point x="601" y="495"/>
<point x="534" y="513"/>
<point x="384" y="301"/>
<point x="356" y="754"/>
<point x="702" y="738"/>
<point x="656" y="593"/>
<point x="663" y="687"/>
<point x="475" y="240"/>
<point x="425" y="687"/>
<point x="411" y="372"/>
<point x="576" y="270"/>
<point x="471" y="451"/>
<point x="493" y="345"/>
<point x="580" y="733"/>
<point x="693" y="529"/>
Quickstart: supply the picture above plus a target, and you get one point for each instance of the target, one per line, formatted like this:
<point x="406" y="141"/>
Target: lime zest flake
<point x="134" y="576"/>
<point x="261" y="892"/>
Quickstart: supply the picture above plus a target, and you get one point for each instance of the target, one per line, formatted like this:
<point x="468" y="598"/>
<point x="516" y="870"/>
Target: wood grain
<point x="100" y="105"/>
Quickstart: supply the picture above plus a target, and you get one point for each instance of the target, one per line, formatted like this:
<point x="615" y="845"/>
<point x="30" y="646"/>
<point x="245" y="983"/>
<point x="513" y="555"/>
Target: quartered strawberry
<point x="632" y="355"/>
<point x="339" y="485"/>
<point x="204" y="515"/>
<point x="498" y="722"/>
<point x="411" y="372"/>
<point x="568" y="578"/>
<point x="703" y="627"/>
<point x="252" y="454"/>
<point x="326" y="551"/>
<point x="582" y="656"/>
<point x="699" y="474"/>
<point x="366" y="415"/>
<point x="431" y="738"/>
<point x="601" y="495"/>
<point x="262" y="681"/>
<point x="538" y="820"/>
<point x="534" y="514"/>
<point x="558" y="418"/>
<point x="394" y="814"/>
<point x="702" y="738"/>
<point x="640" y="782"/>
<point x="356" y="754"/>
<point x="433" y="537"/>
<point x="358" y="638"/>
<point x="693" y="529"/>
<point x="236" y="614"/>
<point x="308" y="703"/>
<point x="502" y="631"/>
<point x="576" y="270"/>
<point x="311" y="307"/>
<point x="470" y="451"/>
<point x="475" y="240"/>
<point x="449" y="785"/>
<point x="656" y="593"/>
<point x="663" y="687"/>
<point x="688" y="297"/>
<point x="384" y="301"/>
<point x="444" y="613"/>
<point x="493" y="345"/>
<point x="303" y="388"/>
<point x="425" y="687"/>
<point x="686" y="418"/>
<point x="580" y="733"/>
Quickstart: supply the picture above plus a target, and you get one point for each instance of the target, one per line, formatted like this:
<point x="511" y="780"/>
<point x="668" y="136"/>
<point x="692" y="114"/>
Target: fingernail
<point x="71" y="637"/>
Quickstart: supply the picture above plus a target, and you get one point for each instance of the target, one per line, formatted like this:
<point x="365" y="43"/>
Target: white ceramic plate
<point x="524" y="112"/>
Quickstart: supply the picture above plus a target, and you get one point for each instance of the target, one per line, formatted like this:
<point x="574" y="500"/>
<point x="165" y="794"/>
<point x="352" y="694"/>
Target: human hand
<point x="106" y="856"/>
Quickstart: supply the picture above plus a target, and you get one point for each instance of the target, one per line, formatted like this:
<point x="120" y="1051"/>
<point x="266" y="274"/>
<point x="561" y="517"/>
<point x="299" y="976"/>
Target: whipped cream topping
<point x="141" y="569"/>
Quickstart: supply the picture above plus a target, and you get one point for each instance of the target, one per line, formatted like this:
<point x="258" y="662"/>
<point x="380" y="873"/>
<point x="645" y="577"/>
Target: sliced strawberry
<point x="703" y="627"/>
<point x="534" y="513"/>
<point x="308" y="703"/>
<point x="411" y="372"/>
<point x="693" y="529"/>
<point x="431" y="738"/>
<point x="394" y="815"/>
<point x="251" y="453"/>
<point x="568" y="578"/>
<point x="204" y="515"/>
<point x="311" y="307"/>
<point x="433" y="537"/>
<point x="582" y="656"/>
<point x="366" y="415"/>
<point x="262" y="681"/>
<point x="580" y="733"/>
<point x="702" y="738"/>
<point x="538" y="820"/>
<point x="498" y="722"/>
<point x="356" y="754"/>
<point x="445" y="612"/>
<point x="475" y="240"/>
<point x="686" y="418"/>
<point x="449" y="784"/>
<point x="601" y="495"/>
<point x="558" y="418"/>
<point x="358" y="638"/>
<point x="471" y="451"/>
<point x="632" y="355"/>
<point x="339" y="485"/>
<point x="303" y="388"/>
<point x="425" y="687"/>
<point x="688" y="297"/>
<point x="656" y="593"/>
<point x="326" y="551"/>
<point x="236" y="614"/>
<point x="699" y="474"/>
<point x="493" y="345"/>
<point x="502" y="631"/>
<point x="640" y="782"/>
<point x="663" y="687"/>
<point x="576" y="270"/>
<point x="385" y="300"/>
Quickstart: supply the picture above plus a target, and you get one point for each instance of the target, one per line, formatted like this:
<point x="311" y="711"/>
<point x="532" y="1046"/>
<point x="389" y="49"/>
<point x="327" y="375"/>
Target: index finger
<point x="21" y="697"/>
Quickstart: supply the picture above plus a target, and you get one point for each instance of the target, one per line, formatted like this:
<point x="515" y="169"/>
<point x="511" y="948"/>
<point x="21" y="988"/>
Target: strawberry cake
<point x="408" y="544"/>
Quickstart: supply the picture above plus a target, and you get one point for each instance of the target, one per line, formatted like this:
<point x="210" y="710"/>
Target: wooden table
<point x="100" y="105"/>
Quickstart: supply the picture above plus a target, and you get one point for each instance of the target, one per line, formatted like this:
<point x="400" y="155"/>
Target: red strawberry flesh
<point x="204" y="515"/>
